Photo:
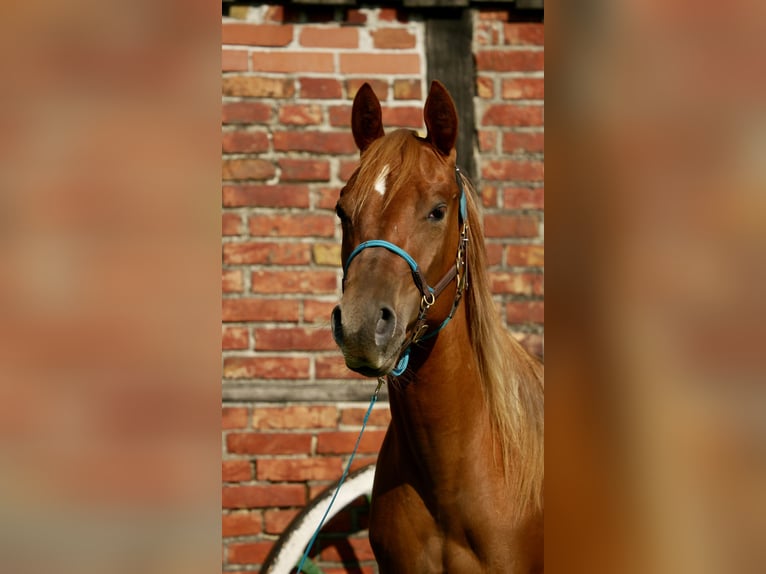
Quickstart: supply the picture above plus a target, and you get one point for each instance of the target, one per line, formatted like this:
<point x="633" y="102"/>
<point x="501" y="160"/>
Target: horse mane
<point x="512" y="379"/>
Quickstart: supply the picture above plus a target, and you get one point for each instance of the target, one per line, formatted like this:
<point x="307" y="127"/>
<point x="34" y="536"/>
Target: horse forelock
<point x="511" y="378"/>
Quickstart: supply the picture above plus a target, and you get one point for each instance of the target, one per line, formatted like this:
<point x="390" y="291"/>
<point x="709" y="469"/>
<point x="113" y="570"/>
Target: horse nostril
<point x="337" y="325"/>
<point x="384" y="328"/>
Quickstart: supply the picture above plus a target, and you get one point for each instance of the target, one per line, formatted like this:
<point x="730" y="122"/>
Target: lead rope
<point x="343" y="476"/>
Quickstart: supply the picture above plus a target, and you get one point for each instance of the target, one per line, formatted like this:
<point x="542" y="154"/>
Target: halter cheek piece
<point x="428" y="293"/>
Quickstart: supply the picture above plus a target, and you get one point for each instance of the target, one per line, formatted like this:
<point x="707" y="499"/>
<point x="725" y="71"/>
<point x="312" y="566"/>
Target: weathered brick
<point x="408" y="89"/>
<point x="292" y="225"/>
<point x="311" y="282"/>
<point x="231" y="224"/>
<point x="320" y="88"/>
<point x="509" y="60"/>
<point x="234" y="418"/>
<point x="268" y="443"/>
<point x="326" y="197"/>
<point x="300" y="114"/>
<point x="235" y="310"/>
<point x="266" y="253"/>
<point x="258" y="87"/>
<point x="234" y="338"/>
<point x="245" y="112"/>
<point x="508" y="225"/>
<point x="512" y="115"/>
<point x="532" y="342"/>
<point x="340" y="116"/>
<point x="248" y="552"/>
<point x="524" y="34"/>
<point x="380" y="416"/>
<point x="333" y="367"/>
<point x="236" y="471"/>
<point x="294" y="338"/>
<point x="289" y="62"/>
<point x="513" y="170"/>
<point x="295" y="417"/>
<point x="315" y="311"/>
<point x="266" y="367"/>
<point x="342" y="442"/>
<point x="238" y="169"/>
<point x="245" y="142"/>
<point x="317" y="142"/>
<point x="304" y="170"/>
<point x="525" y="255"/>
<point x="523" y="198"/>
<point x="494" y="254"/>
<point x="516" y="283"/>
<point x="265" y="195"/>
<point x="379" y="87"/>
<point x="485" y="87"/>
<point x="403" y="116"/>
<point x="368" y="63"/>
<point x="518" y="312"/>
<point x="299" y="469"/>
<point x="241" y="523"/>
<point x="392" y="39"/>
<point x="487" y="140"/>
<point x="232" y="280"/>
<point x="523" y="89"/>
<point x="275" y="521"/>
<point x="326" y="254"/>
<point x="346" y="169"/>
<point x="234" y="60"/>
<point x="273" y="495"/>
<point x="256" y="34"/>
<point x="531" y="142"/>
<point x="333" y="37"/>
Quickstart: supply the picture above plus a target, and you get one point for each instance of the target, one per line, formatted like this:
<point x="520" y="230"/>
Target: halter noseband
<point x="428" y="293"/>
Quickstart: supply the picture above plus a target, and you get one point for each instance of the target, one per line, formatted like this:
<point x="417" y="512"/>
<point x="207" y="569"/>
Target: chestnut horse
<point x="459" y="480"/>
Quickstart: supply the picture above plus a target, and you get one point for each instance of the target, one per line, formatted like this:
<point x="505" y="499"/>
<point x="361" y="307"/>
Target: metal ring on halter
<point x="425" y="303"/>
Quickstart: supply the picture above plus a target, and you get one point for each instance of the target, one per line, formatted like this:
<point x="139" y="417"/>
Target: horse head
<point x="401" y="213"/>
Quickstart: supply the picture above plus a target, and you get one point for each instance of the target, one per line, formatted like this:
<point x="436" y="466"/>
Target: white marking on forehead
<point x="380" y="182"/>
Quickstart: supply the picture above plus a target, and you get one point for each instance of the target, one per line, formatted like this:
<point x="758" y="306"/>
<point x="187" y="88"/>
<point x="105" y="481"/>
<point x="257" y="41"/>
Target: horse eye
<point x="340" y="213"/>
<point x="438" y="213"/>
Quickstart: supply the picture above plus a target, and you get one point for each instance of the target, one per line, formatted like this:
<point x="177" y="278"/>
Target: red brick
<point x="333" y="367"/>
<point x="523" y="89"/>
<point x="485" y="87"/>
<point x="347" y="168"/>
<point x="486" y="33"/>
<point x="245" y="142"/>
<point x="248" y="553"/>
<point x="521" y="34"/>
<point x="241" y="523"/>
<point x="258" y="87"/>
<point x="294" y="338"/>
<point x="304" y="170"/>
<point x="407" y="117"/>
<point x="231" y="224"/>
<point x="513" y="170"/>
<point x="234" y="417"/>
<point x="532" y="342"/>
<point x="234" y="338"/>
<point x="288" y="62"/>
<point x="317" y="311"/>
<point x="512" y="115"/>
<point x="352" y="416"/>
<point x="274" y="14"/>
<point x="236" y="471"/>
<point x="488" y="196"/>
<point x="266" y="253"/>
<point x="317" y="142"/>
<point x="234" y="169"/>
<point x="311" y="282"/>
<point x="506" y="225"/>
<point x="408" y="90"/>
<point x="531" y="142"/>
<point x="487" y="140"/>
<point x="272" y="495"/>
<point x="360" y="548"/>
<point x="525" y="255"/>
<point x="499" y="15"/>
<point x="340" y="116"/>
<point x="246" y="112"/>
<point x="232" y="281"/>
<point x="234" y="60"/>
<point x="524" y="198"/>
<point x="256" y="34"/>
<point x="392" y="39"/>
<point x="494" y="254"/>
<point x="509" y="60"/>
<point x="518" y="312"/>
<point x="320" y="88"/>
<point x="266" y="367"/>
<point x="300" y="114"/>
<point x="295" y="417"/>
<point x="301" y="469"/>
<point x="342" y="442"/>
<point x="265" y="195"/>
<point x="292" y="225"/>
<point x="327" y="197"/>
<point x="333" y="37"/>
<point x="268" y="443"/>
<point x="379" y="87"/>
<point x="276" y="521"/>
<point x="516" y="283"/>
<point x="366" y="63"/>
<point x="260" y="310"/>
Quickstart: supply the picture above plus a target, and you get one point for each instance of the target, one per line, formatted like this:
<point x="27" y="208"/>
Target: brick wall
<point x="290" y="414"/>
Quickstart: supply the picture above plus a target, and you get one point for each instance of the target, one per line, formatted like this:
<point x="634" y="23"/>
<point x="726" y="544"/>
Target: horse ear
<point x="441" y="118"/>
<point x="366" y="117"/>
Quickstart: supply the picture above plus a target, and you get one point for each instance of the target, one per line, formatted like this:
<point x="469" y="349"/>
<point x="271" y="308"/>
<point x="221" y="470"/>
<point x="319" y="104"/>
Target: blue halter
<point x="429" y="294"/>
